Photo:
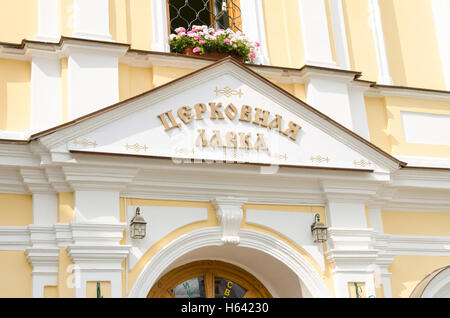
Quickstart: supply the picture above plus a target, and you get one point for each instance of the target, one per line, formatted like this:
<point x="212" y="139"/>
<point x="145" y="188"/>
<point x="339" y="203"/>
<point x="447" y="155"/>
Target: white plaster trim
<point x="316" y="37"/>
<point x="340" y="38"/>
<point x="439" y="286"/>
<point x="48" y="21"/>
<point x="14" y="238"/>
<point x="253" y="26"/>
<point x="211" y="237"/>
<point x="384" y="76"/>
<point x="159" y="26"/>
<point x="417" y="161"/>
<point x="92" y="20"/>
<point x="441" y="12"/>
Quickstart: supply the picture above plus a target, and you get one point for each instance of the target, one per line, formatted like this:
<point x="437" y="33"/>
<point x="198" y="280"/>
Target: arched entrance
<point x="209" y="279"/>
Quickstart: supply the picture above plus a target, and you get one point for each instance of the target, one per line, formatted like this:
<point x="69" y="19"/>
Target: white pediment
<point x="143" y="126"/>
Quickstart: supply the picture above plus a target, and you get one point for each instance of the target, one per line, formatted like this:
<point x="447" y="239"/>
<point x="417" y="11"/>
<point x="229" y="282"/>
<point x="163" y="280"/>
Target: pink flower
<point x="252" y="55"/>
<point x="196" y="50"/>
<point x="182" y="34"/>
<point x="257" y="44"/>
<point x="227" y="41"/>
<point x="180" y="29"/>
<point x="220" y="30"/>
<point x="202" y="42"/>
<point x="196" y="38"/>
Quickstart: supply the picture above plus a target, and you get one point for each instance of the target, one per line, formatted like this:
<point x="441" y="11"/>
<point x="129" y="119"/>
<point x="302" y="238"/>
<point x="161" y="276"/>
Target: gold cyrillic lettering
<point x="233" y="113"/>
<point x="244" y="141"/>
<point x="260" y="144"/>
<point x="215" y="112"/>
<point x="261" y="120"/>
<point x="276" y="123"/>
<point x="184" y="113"/>
<point x="246" y="113"/>
<point x="216" y="140"/>
<point x="172" y="121"/>
<point x="201" y="138"/>
<point x="292" y="130"/>
<point x="231" y="139"/>
<point x="199" y="110"/>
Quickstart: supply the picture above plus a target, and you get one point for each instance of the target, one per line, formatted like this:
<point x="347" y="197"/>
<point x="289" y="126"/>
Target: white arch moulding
<point x="212" y="236"/>
<point x="439" y="286"/>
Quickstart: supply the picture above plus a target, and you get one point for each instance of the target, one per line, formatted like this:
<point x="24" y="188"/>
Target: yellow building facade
<point x="342" y="118"/>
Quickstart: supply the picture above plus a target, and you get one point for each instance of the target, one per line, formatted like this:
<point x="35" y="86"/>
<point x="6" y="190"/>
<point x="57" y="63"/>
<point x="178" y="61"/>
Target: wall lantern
<point x="319" y="230"/>
<point x="138" y="226"/>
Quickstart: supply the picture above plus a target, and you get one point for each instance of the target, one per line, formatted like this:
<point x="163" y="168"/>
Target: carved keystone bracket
<point x="229" y="212"/>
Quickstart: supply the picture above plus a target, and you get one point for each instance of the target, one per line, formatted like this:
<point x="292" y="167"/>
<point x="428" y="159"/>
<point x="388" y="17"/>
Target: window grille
<point x="217" y="14"/>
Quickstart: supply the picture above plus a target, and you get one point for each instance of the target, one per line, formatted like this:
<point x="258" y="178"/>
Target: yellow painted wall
<point x="50" y="292"/>
<point x="15" y="275"/>
<point x="360" y="39"/>
<point x="378" y="123"/>
<point x="394" y="105"/>
<point x="118" y="20"/>
<point x="18" y="20"/>
<point x="15" y="77"/>
<point x="408" y="270"/>
<point x="65" y="207"/>
<point x="165" y="74"/>
<point x="67" y="10"/>
<point x="16" y="210"/>
<point x="416" y="223"/>
<point x="134" y="80"/>
<point x="283" y="33"/>
<point x="411" y="43"/>
<point x="64" y="91"/>
<point x="131" y="22"/>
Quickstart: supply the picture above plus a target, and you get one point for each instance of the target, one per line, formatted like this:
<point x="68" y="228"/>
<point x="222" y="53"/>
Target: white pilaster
<point x="330" y="96"/>
<point x="159" y="26"/>
<point x="229" y="213"/>
<point x="93" y="76"/>
<point x="46" y="109"/>
<point x="441" y="12"/>
<point x="45" y="202"/>
<point x="92" y="20"/>
<point x="316" y="37"/>
<point x="384" y="76"/>
<point x="45" y="208"/>
<point x="97" y="255"/>
<point x="96" y="206"/>
<point x="358" y="110"/>
<point x="43" y="256"/>
<point x="253" y="26"/>
<point x="48" y="21"/>
<point x="340" y="37"/>
<point x="350" y="243"/>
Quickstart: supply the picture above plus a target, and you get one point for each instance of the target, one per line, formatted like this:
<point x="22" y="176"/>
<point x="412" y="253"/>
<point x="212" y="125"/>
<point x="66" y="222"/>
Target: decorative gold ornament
<point x="185" y="151"/>
<point x="85" y="143"/>
<point x="228" y="92"/>
<point x="278" y="156"/>
<point x="136" y="147"/>
<point x="362" y="163"/>
<point x="319" y="159"/>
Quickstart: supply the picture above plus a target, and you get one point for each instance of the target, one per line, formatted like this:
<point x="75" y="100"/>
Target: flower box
<point x="207" y="42"/>
<point x="189" y="51"/>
